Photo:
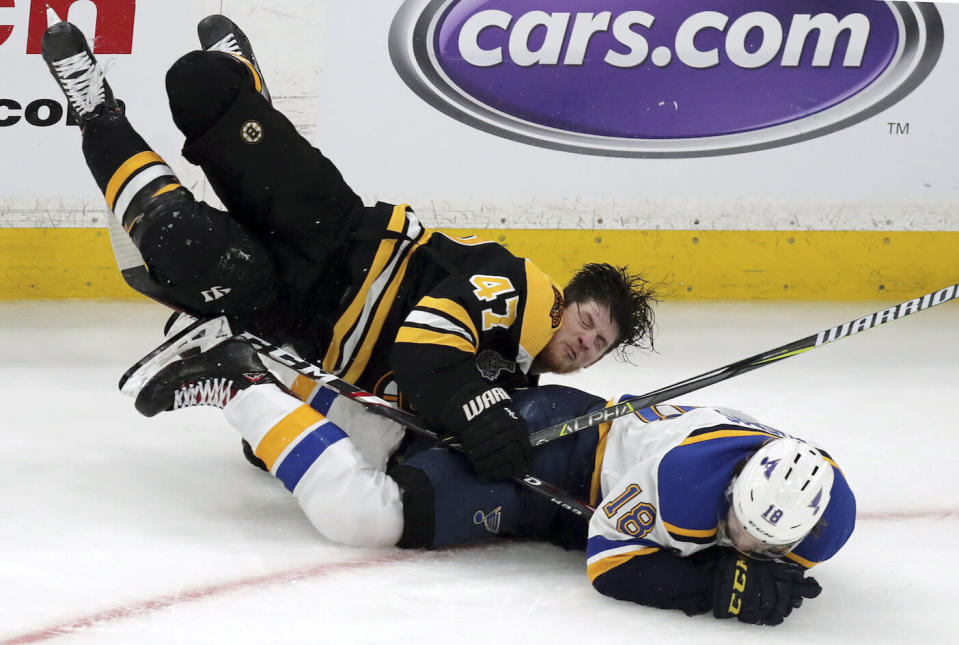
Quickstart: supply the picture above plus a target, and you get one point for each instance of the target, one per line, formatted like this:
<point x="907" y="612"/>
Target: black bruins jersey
<point x="436" y="313"/>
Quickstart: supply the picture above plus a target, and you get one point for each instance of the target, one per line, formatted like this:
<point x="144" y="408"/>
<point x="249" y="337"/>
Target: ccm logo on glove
<point x="478" y="404"/>
<point x="739" y="586"/>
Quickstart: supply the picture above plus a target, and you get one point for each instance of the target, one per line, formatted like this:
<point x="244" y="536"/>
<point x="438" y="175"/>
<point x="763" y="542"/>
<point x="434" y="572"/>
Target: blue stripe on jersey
<point x="305" y="453"/>
<point x="597" y="544"/>
<point x="647" y="415"/>
<point x="323" y="400"/>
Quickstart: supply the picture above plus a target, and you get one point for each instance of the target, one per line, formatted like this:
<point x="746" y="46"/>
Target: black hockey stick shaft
<point x="379" y="406"/>
<point x="813" y="341"/>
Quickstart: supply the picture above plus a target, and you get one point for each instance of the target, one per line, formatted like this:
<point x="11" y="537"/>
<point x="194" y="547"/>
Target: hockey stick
<point x="378" y="406"/>
<point x="819" y="339"/>
<point x="134" y="272"/>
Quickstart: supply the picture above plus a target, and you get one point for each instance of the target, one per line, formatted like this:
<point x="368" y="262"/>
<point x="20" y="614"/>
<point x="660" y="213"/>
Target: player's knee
<point x="208" y="261"/>
<point x="201" y="86"/>
<point x="367" y="513"/>
<point x="177" y="238"/>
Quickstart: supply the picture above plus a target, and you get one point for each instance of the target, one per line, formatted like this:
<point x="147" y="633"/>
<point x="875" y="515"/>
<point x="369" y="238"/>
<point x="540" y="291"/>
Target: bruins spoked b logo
<point x="252" y="132"/>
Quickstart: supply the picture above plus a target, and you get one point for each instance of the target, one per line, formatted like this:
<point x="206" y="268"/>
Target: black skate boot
<point x="211" y="378"/>
<point x="81" y="78"/>
<point x="220" y="34"/>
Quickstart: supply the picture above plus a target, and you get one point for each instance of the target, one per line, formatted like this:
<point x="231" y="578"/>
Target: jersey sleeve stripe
<point x="808" y="564"/>
<point x="594" y="487"/>
<point x="714" y="433"/>
<point x="690" y="536"/>
<point x="349" y="319"/>
<point x="596" y="569"/>
<point x="468" y="240"/>
<point x="383" y="307"/>
<point x="421" y="336"/>
<point x="694" y="533"/>
<point x="449" y="308"/>
<point x="598" y="546"/>
<point x="426" y="318"/>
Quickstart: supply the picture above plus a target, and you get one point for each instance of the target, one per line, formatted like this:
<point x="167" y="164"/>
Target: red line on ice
<point x="137" y="609"/>
<point x="918" y="514"/>
<point x="142" y="608"/>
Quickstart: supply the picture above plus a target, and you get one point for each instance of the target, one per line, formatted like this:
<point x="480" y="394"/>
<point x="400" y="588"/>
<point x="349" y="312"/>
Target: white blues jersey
<point x="663" y="480"/>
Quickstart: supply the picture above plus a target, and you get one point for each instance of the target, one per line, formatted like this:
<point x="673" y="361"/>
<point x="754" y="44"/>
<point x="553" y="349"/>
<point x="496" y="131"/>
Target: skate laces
<point x="82" y="80"/>
<point x="228" y="45"/>
<point x="216" y="392"/>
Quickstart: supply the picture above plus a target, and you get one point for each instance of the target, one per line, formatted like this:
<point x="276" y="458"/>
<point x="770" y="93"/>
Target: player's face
<point x="733" y="534"/>
<point x="585" y="336"/>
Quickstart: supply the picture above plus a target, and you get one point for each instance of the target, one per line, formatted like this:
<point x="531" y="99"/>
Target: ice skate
<point x="220" y="34"/>
<point x="75" y="69"/>
<point x="196" y="337"/>
<point x="210" y="378"/>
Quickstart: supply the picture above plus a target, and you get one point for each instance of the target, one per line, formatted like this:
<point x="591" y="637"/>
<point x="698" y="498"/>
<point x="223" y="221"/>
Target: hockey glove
<point x="760" y="592"/>
<point x="494" y="438"/>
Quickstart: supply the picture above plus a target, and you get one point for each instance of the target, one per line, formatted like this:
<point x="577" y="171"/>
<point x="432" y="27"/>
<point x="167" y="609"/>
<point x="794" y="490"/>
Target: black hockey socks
<point x="128" y="172"/>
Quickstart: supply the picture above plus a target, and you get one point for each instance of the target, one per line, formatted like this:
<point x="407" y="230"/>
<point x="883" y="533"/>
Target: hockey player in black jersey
<point x="446" y="326"/>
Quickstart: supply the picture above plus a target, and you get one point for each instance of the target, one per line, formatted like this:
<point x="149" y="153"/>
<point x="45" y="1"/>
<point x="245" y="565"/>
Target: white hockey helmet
<point x="782" y="492"/>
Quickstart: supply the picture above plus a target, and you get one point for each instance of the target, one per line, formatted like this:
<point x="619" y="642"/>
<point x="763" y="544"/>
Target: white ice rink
<point x="119" y="529"/>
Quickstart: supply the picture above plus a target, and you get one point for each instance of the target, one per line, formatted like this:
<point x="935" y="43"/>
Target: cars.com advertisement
<point x="657" y="78"/>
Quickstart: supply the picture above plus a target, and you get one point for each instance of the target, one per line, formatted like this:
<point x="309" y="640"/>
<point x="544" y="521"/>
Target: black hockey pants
<point x="275" y="257"/>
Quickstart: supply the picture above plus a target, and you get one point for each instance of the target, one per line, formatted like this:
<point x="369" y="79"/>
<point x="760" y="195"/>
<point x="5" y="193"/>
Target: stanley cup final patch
<point x="491" y="363"/>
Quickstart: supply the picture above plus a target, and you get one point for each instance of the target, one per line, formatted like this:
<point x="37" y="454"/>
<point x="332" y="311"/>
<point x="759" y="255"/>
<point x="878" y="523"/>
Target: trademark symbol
<point x="898" y="129"/>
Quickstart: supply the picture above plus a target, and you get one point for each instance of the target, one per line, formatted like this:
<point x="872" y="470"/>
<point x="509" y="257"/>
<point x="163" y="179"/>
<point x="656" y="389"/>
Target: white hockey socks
<point x="345" y="498"/>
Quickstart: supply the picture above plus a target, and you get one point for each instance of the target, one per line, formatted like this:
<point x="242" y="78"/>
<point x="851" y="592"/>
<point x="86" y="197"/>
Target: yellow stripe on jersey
<point x="598" y="464"/>
<point x="809" y="564"/>
<point x="468" y="240"/>
<point x="285" y="432"/>
<point x="697" y="533"/>
<point x="125" y="171"/>
<point x="452" y="309"/>
<point x="167" y="189"/>
<point x="257" y="81"/>
<point x="719" y="434"/>
<point x="303" y="387"/>
<point x="352" y="313"/>
<point x="372" y="334"/>
<point x="542" y="315"/>
<point x="429" y="337"/>
<point x="597" y="569"/>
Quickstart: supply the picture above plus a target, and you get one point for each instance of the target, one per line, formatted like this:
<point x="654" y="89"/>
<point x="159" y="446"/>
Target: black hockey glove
<point x="494" y="438"/>
<point x="760" y="592"/>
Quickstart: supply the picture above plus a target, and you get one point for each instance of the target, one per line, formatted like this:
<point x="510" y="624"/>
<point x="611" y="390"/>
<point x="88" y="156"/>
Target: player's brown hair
<point x="629" y="298"/>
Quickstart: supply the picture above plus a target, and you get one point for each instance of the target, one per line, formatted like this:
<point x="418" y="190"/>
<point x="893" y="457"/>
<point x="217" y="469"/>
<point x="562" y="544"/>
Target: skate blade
<point x="199" y="336"/>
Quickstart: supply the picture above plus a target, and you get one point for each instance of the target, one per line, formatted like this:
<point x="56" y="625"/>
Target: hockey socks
<point x="128" y="172"/>
<point x="346" y="499"/>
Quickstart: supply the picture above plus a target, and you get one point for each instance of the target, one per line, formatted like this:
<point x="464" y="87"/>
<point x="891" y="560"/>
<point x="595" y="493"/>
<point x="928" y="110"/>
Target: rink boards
<point x="849" y="192"/>
<point x="41" y="263"/>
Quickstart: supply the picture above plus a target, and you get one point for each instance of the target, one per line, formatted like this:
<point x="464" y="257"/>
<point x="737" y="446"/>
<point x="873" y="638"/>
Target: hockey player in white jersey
<point x="698" y="509"/>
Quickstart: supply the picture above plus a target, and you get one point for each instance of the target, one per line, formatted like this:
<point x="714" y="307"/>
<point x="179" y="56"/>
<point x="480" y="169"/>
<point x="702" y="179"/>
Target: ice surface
<point x="120" y="529"/>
